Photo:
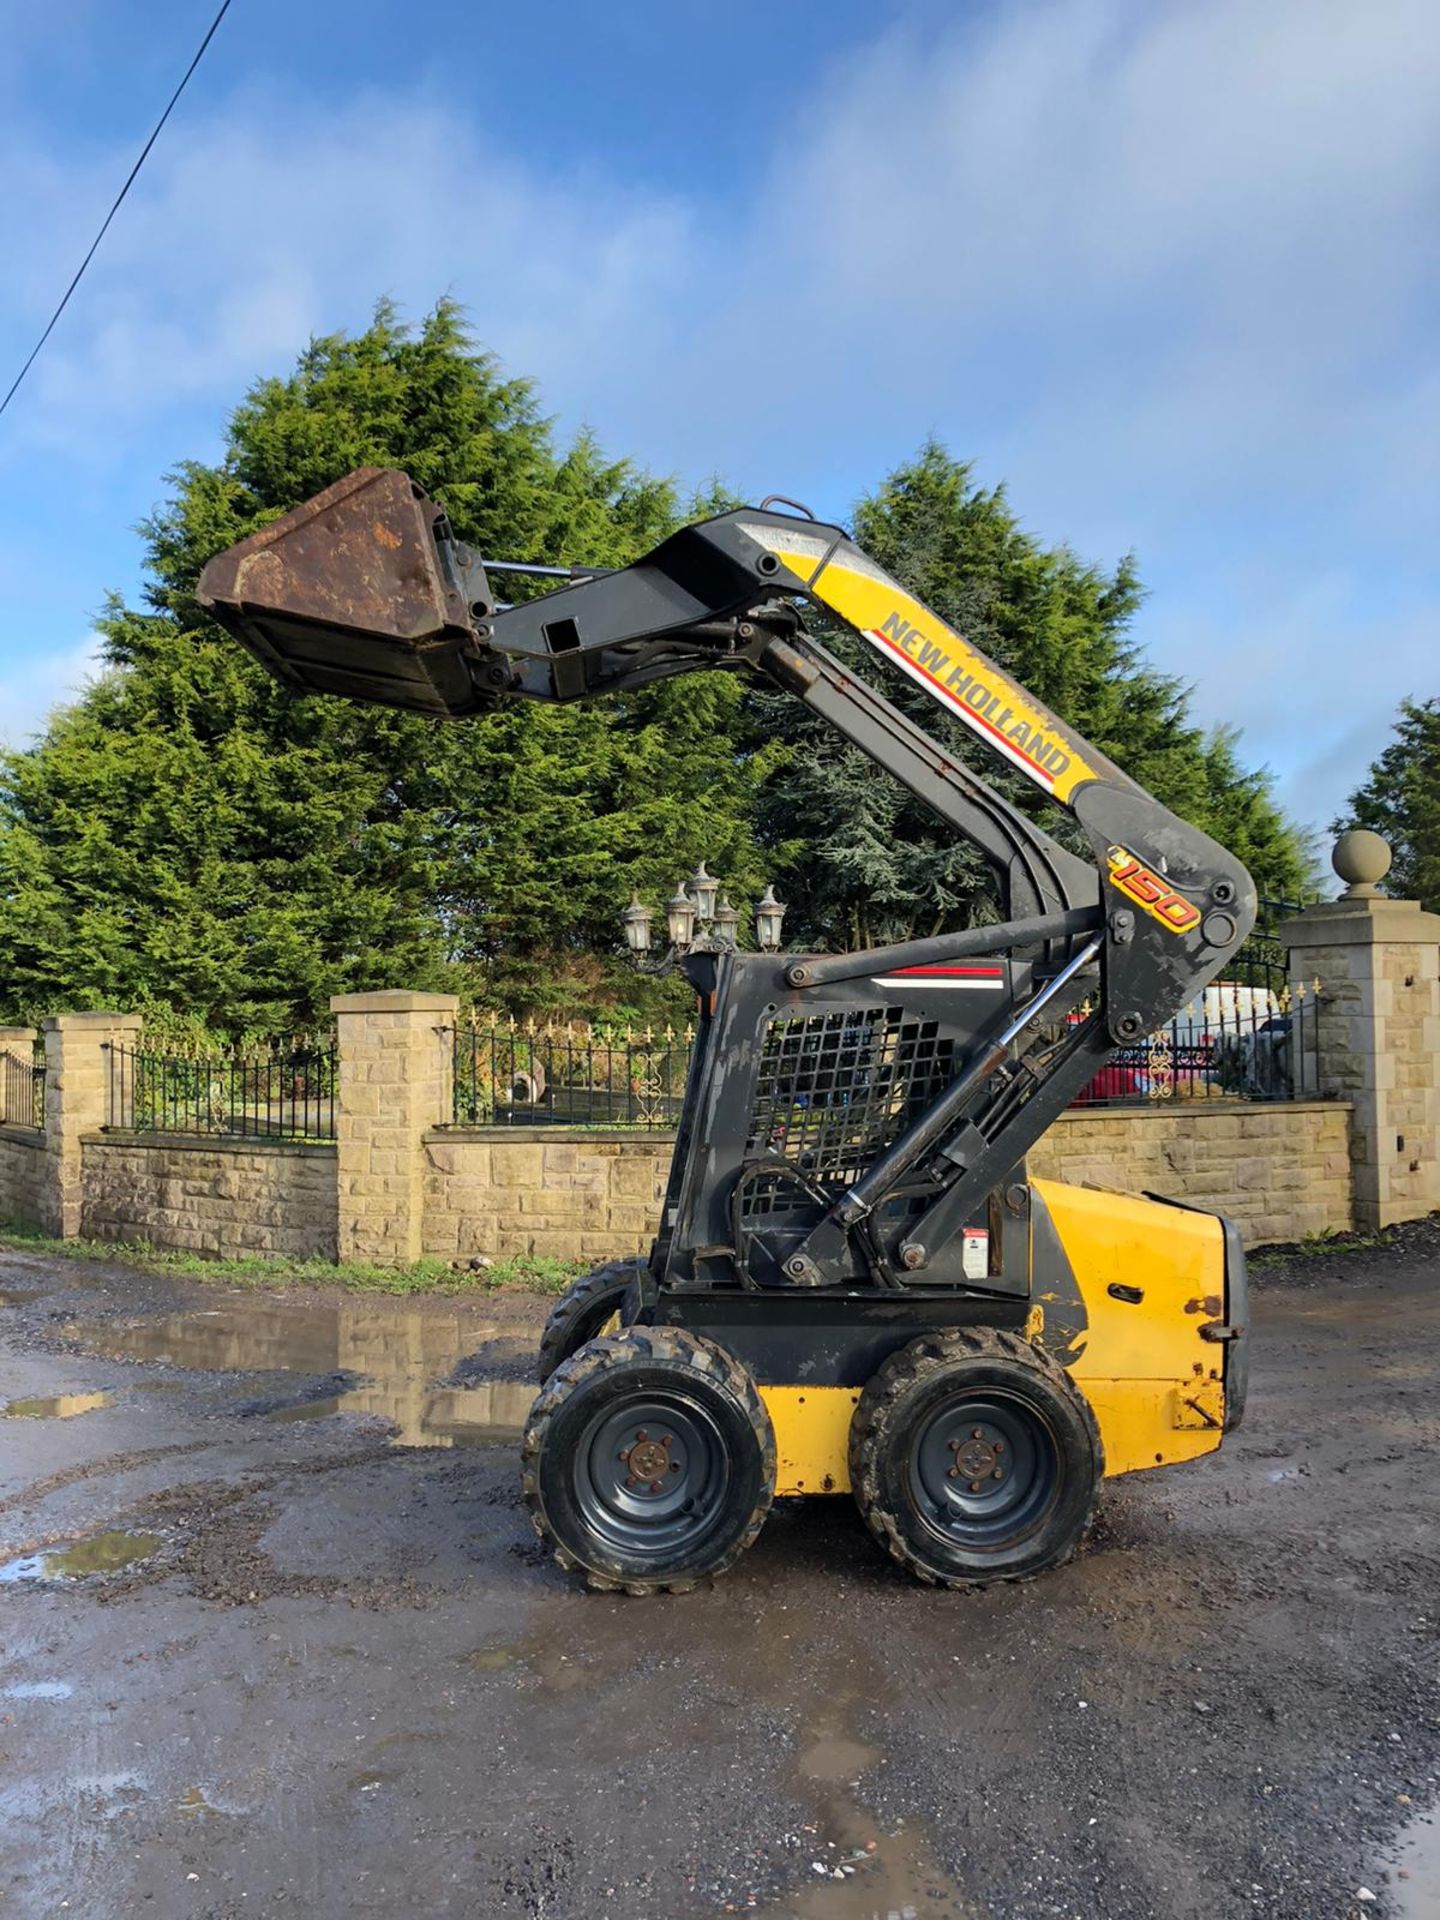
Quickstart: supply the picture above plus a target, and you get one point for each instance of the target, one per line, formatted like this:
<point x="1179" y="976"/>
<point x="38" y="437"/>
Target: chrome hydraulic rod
<point x="935" y="1123"/>
<point x="1003" y="936"/>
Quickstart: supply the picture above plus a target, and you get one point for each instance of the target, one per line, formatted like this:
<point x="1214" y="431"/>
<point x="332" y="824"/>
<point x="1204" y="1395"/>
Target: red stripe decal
<point x="952" y="973"/>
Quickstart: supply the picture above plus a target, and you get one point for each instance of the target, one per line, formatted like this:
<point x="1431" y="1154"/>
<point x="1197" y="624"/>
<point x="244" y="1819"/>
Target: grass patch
<point x="534" y="1273"/>
<point x="1317" y="1245"/>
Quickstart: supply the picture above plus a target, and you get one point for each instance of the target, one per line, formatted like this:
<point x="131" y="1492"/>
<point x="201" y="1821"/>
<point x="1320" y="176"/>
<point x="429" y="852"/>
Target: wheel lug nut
<point x="655" y="1486"/>
<point x="977" y="1433"/>
<point x="642" y="1434"/>
<point x="668" y="1441"/>
<point x="974" y="1486"/>
<point x="953" y="1473"/>
<point x="999" y="1446"/>
<point x="997" y="1474"/>
<point x="625" y="1453"/>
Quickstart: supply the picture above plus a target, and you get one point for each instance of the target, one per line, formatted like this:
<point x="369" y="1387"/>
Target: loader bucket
<point x="353" y="593"/>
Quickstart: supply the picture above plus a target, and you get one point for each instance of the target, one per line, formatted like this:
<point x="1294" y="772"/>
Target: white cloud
<point x="1171" y="270"/>
<point x="32" y="689"/>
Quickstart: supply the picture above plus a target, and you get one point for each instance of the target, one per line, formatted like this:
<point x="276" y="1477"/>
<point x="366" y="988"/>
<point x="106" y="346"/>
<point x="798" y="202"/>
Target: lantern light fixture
<point x="769" y="916"/>
<point x="698" y="919"/>
<point x="636" y="921"/>
<point x="703" y="890"/>
<point x="680" y="918"/>
<point x="726" y="923"/>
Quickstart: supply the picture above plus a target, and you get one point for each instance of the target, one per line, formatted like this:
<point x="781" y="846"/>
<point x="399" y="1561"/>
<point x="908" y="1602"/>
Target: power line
<point x="115" y="208"/>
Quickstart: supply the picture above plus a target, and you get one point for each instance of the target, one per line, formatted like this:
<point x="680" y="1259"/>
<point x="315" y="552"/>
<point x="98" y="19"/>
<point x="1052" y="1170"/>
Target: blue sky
<point x="1170" y="269"/>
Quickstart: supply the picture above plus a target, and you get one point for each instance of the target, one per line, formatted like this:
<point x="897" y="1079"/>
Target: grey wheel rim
<point x="651" y="1474"/>
<point x="985" y="1470"/>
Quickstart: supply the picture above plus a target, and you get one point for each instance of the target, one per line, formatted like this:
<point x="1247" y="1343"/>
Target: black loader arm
<point x="363" y="591"/>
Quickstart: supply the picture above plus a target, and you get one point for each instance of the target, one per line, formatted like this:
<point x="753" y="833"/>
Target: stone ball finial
<point x="1361" y="859"/>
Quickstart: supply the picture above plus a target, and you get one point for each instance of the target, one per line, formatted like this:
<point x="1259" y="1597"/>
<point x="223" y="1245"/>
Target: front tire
<point x="974" y="1458"/>
<point x="648" y="1462"/>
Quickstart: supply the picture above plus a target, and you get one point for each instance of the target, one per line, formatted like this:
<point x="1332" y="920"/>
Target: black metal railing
<point x="22" y="1087"/>
<point x="562" y="1076"/>
<point x="1239" y="1040"/>
<point x="285" y="1092"/>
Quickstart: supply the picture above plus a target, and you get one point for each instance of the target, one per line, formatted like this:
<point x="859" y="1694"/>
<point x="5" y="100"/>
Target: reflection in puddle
<point x="861" y="1871"/>
<point x="58" y="1406"/>
<point x="490" y="1659"/>
<point x="193" y="1802"/>
<point x="101" y="1553"/>
<point x="399" y="1353"/>
<point x="1415" y="1873"/>
<point x="836" y="1758"/>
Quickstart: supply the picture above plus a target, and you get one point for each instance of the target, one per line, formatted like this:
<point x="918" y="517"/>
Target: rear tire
<point x="585" y="1309"/>
<point x="648" y="1462"/>
<point x="974" y="1458"/>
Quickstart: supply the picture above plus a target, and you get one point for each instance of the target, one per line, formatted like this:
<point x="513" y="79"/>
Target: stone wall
<point x="23" y="1175"/>
<point x="575" y="1195"/>
<point x="221" y="1197"/>
<point x="1280" y="1172"/>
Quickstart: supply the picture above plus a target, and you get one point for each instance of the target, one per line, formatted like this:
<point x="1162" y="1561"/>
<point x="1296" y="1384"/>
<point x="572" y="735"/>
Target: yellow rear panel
<point x="1152" y="1379"/>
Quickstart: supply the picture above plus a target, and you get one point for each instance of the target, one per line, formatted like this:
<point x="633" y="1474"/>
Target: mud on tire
<point x="648" y="1461"/>
<point x="975" y="1458"/>
<point x="584" y="1309"/>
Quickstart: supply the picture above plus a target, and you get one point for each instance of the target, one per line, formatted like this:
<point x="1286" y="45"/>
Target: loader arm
<point x="364" y="591"/>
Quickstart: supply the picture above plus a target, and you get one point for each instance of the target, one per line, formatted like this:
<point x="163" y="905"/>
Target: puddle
<point x="490" y="1659"/>
<point x="860" y="1870"/>
<point x="836" y="1758"/>
<point x="193" y="1803"/>
<point x="37" y="1690"/>
<point x="394" y="1353"/>
<point x="58" y="1406"/>
<point x="100" y="1553"/>
<point x="1414" y="1885"/>
<point x="17" y="1296"/>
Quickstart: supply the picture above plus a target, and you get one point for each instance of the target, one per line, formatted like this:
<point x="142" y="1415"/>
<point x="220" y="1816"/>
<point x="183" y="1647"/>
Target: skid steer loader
<point x="854" y="1286"/>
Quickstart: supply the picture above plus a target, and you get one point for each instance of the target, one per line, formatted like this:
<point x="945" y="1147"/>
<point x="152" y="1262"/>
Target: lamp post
<point x="698" y="919"/>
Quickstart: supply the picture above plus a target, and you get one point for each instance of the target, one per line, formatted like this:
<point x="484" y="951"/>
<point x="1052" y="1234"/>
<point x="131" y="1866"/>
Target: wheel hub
<point x="983" y="1468"/>
<point x="978" y="1458"/>
<point x="649" y="1461"/>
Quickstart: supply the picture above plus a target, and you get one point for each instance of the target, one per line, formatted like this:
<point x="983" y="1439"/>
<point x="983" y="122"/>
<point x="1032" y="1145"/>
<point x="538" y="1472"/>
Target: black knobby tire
<point x="974" y="1458"/>
<point x="583" y="1310"/>
<point x="648" y="1461"/>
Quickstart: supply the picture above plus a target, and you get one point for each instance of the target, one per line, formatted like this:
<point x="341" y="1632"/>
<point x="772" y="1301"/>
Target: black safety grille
<point x="835" y="1089"/>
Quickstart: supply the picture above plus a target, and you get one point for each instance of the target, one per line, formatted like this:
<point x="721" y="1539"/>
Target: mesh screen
<point x="835" y="1089"/>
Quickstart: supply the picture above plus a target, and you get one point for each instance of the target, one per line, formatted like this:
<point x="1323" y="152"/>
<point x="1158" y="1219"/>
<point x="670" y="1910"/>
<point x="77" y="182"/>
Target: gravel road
<point x="275" y="1637"/>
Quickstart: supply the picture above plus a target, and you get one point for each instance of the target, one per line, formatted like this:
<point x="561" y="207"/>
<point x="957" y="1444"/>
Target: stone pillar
<point x="77" y="1094"/>
<point x="395" y="1079"/>
<point x="1376" y="963"/>
<point x="20" y="1042"/>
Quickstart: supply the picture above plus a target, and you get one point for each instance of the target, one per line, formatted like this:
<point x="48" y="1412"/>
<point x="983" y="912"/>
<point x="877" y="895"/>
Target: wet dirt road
<point x="275" y="1637"/>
